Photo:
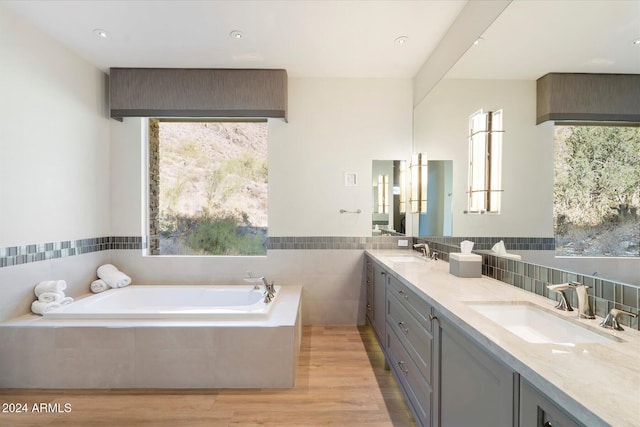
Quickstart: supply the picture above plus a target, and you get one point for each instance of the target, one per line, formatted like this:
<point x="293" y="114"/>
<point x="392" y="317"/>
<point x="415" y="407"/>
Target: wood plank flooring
<point x="341" y="381"/>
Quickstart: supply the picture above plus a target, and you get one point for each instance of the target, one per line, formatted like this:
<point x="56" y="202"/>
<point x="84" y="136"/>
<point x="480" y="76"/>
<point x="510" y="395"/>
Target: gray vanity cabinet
<point x="474" y="389"/>
<point x="538" y="411"/>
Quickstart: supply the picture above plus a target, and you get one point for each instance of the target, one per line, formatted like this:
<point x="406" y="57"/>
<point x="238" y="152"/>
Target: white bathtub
<point x="124" y="345"/>
<point x="237" y="302"/>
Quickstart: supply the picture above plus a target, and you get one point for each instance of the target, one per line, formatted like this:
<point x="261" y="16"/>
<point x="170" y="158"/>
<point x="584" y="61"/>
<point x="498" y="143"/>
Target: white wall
<point x="335" y="126"/>
<point x="54" y="140"/>
<point x="441" y="125"/>
<point x="54" y="159"/>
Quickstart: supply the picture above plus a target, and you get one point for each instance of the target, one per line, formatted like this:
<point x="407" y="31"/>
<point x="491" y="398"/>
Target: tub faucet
<point x="611" y="321"/>
<point x="257" y="281"/>
<point x="269" y="289"/>
<point x="563" y="304"/>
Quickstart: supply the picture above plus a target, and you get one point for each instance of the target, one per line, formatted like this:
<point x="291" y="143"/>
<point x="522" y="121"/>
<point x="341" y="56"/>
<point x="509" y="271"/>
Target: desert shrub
<point x="221" y="235"/>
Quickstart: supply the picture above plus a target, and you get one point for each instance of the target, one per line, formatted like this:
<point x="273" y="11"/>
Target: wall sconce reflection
<point x="383" y="193"/>
<point x="403" y="187"/>
<point x="418" y="196"/>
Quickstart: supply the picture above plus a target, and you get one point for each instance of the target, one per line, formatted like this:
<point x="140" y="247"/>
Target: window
<point x="485" y="161"/>
<point x="207" y="187"/>
<point x="597" y="190"/>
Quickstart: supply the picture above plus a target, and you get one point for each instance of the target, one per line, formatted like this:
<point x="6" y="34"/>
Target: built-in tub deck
<point x="175" y="352"/>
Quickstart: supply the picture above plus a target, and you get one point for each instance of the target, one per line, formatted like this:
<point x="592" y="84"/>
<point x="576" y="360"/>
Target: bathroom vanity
<point x="457" y="367"/>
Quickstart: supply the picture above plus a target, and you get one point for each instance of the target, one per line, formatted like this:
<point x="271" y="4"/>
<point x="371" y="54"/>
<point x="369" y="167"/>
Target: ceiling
<point x="532" y="38"/>
<point x="343" y="38"/>
<point x="307" y="38"/>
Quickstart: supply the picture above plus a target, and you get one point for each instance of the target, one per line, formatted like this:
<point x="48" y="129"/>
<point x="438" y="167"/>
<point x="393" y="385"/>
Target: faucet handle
<point x="611" y="321"/>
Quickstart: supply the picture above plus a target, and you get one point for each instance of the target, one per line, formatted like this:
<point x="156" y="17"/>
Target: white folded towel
<point x="98" y="286"/>
<point x="50" y="286"/>
<point x="41" y="307"/>
<point x="51" y="296"/>
<point x="65" y="301"/>
<point x="113" y="277"/>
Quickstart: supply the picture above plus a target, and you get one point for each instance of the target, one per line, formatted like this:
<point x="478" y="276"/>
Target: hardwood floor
<point x="340" y="381"/>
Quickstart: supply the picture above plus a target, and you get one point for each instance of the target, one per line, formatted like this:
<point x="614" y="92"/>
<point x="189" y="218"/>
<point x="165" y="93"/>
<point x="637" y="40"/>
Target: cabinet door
<point x="379" y="301"/>
<point x="368" y="277"/>
<point x="538" y="411"/>
<point x="474" y="388"/>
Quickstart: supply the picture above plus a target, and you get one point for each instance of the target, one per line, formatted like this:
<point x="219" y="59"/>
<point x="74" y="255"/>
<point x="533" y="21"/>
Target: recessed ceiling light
<point x="101" y="33"/>
<point x="478" y="40"/>
<point x="401" y="40"/>
<point x="235" y="34"/>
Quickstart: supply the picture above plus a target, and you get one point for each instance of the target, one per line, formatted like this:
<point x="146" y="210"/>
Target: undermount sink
<point x="537" y="325"/>
<point x="404" y="259"/>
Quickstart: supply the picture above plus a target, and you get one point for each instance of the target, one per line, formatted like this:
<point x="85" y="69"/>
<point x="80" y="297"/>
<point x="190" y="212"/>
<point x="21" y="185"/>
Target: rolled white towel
<point x="51" y="296"/>
<point x="41" y="307"/>
<point x="50" y="286"/>
<point x="65" y="301"/>
<point x="98" y="286"/>
<point x="113" y="277"/>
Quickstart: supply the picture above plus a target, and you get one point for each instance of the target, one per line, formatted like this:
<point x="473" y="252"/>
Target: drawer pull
<point x="401" y="365"/>
<point x="432" y="317"/>
<point x="401" y="292"/>
<point x="401" y="324"/>
<point x="548" y="424"/>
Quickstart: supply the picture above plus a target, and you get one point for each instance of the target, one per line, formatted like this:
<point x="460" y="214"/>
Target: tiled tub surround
<point x="41" y="353"/>
<point x="329" y="272"/>
<point x="596" y="383"/>
<point x="603" y="294"/>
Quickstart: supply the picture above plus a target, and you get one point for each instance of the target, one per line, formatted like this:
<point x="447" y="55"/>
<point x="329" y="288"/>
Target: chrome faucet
<point x="611" y="321"/>
<point x="269" y="289"/>
<point x="584" y="309"/>
<point x="424" y="248"/>
<point x="563" y="304"/>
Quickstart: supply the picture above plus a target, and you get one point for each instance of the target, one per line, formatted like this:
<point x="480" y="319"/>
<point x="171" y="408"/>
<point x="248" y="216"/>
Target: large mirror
<point x="500" y="72"/>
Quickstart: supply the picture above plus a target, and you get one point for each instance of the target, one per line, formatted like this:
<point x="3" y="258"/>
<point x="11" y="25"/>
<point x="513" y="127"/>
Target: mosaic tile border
<point x="16" y="255"/>
<point x="512" y="243"/>
<point x="603" y="294"/>
<point x="336" y="242"/>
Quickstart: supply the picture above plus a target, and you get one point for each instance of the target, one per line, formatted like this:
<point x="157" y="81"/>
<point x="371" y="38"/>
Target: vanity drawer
<point x="417" y="390"/>
<point x="416" y="340"/>
<point x="418" y="307"/>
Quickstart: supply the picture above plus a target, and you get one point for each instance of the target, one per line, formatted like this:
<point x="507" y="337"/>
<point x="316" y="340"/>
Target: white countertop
<point x="598" y="384"/>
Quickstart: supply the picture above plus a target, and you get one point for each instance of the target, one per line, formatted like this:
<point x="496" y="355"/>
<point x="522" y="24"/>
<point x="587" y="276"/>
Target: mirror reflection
<point x="497" y="74"/>
<point x="389" y="216"/>
<point x="438" y="220"/>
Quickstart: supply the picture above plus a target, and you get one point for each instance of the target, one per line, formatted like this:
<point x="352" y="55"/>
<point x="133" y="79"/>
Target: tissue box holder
<point x="465" y="265"/>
